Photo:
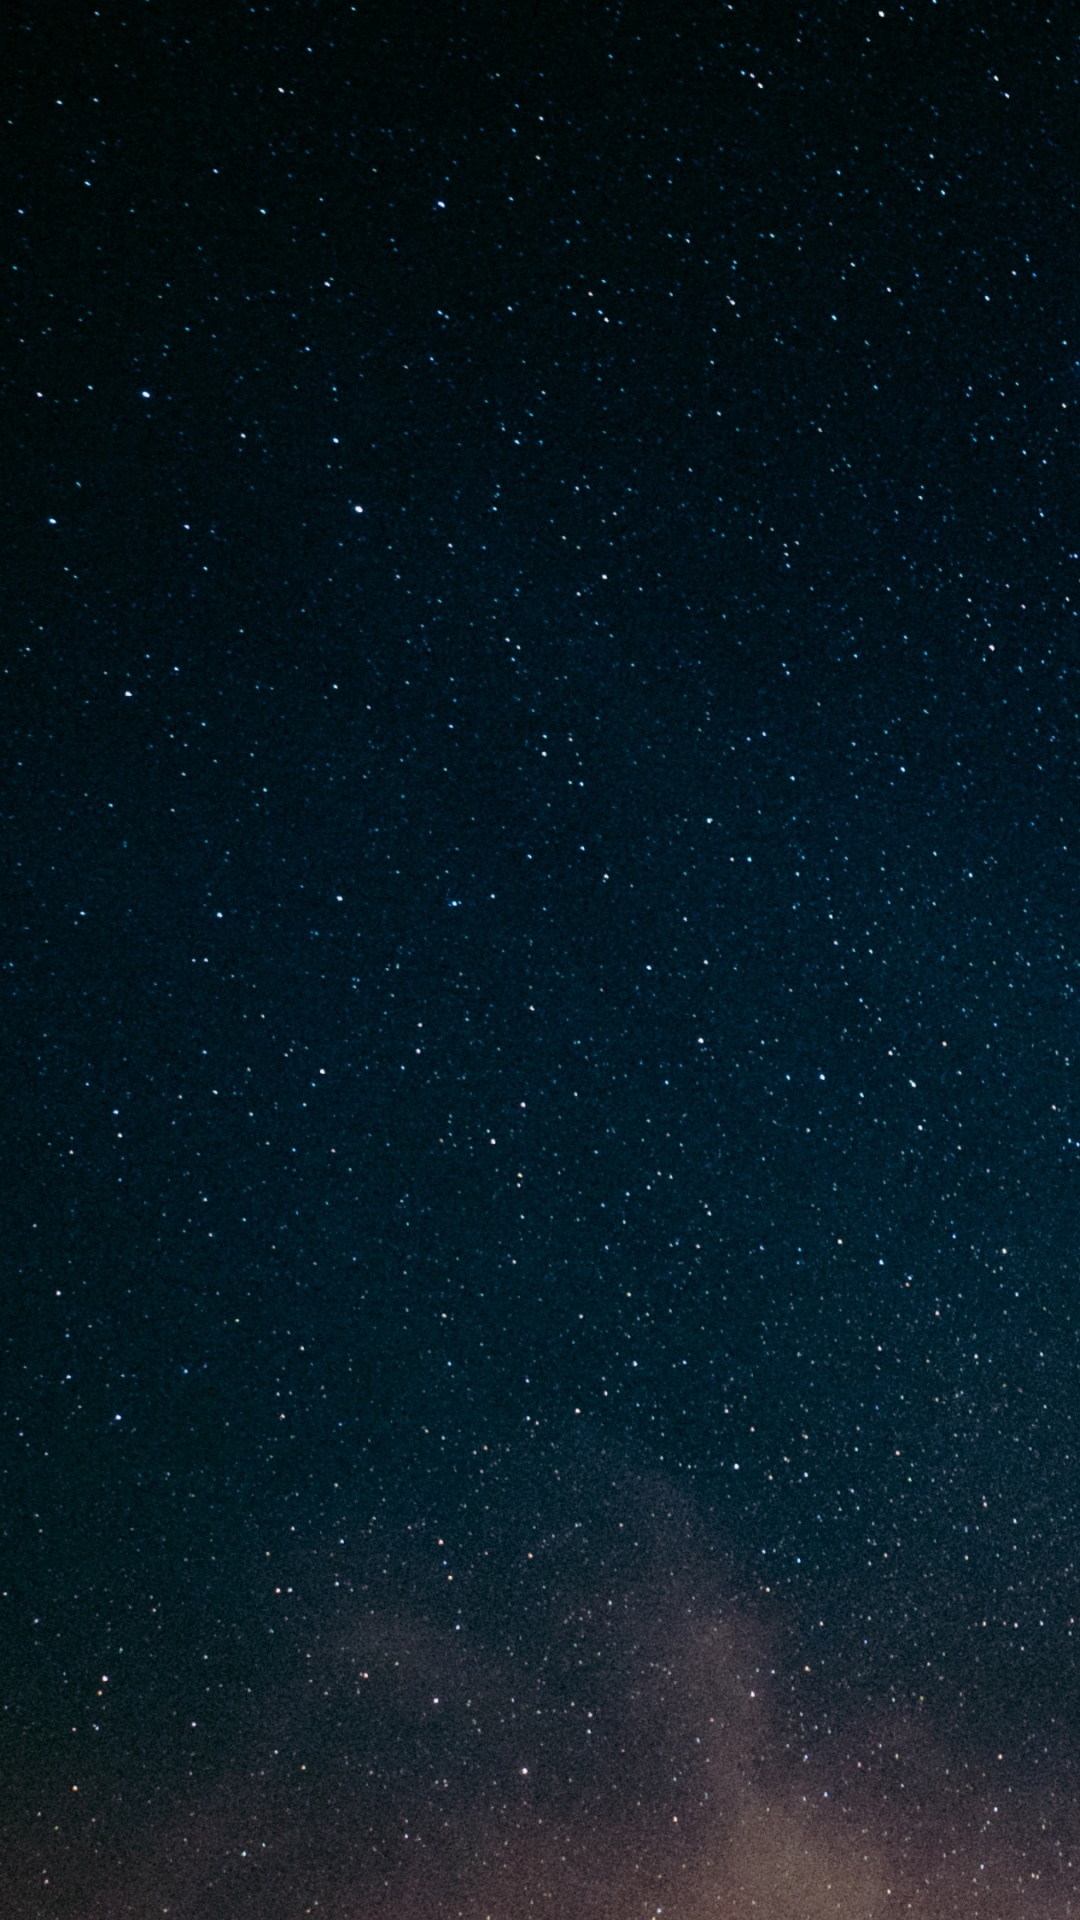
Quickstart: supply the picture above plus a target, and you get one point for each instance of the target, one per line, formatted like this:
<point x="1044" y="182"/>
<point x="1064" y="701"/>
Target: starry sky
<point x="539" y="695"/>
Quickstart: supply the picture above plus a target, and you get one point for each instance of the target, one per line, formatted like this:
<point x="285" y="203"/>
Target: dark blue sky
<point x="540" y="941"/>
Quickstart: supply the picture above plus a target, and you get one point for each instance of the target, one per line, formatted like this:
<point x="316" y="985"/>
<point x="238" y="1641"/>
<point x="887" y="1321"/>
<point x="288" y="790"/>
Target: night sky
<point x="540" y="941"/>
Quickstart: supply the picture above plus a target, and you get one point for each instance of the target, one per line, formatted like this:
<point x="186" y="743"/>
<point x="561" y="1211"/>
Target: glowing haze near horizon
<point x="602" y="1721"/>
